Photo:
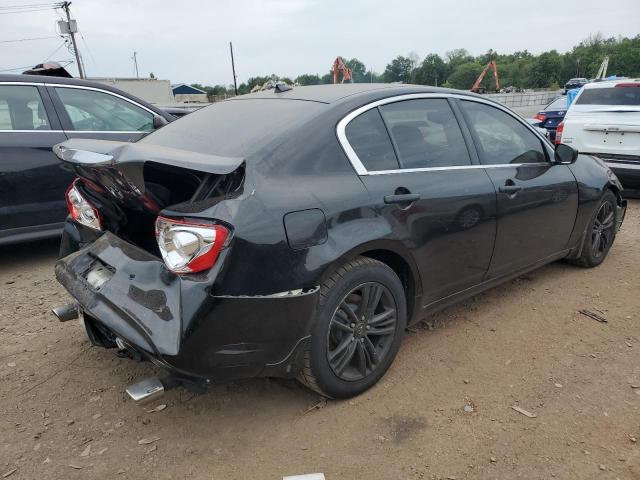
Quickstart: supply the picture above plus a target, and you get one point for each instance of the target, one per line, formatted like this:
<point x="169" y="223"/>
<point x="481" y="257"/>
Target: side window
<point x="368" y="137"/>
<point x="21" y="108"/>
<point x="97" y="111"/>
<point x="426" y="133"/>
<point x="502" y="139"/>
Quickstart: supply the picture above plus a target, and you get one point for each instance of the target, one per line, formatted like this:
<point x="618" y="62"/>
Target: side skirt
<point x="452" y="299"/>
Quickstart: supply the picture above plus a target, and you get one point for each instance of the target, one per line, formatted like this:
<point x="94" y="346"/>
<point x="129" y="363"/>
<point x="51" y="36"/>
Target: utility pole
<point x="233" y="68"/>
<point x="135" y="62"/>
<point x="65" y="6"/>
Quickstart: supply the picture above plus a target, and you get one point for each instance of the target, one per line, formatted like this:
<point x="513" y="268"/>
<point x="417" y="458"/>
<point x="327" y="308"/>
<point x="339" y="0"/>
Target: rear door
<point x="537" y="200"/>
<point x="606" y="119"/>
<point x="413" y="159"/>
<point x="87" y="112"/>
<point x="32" y="182"/>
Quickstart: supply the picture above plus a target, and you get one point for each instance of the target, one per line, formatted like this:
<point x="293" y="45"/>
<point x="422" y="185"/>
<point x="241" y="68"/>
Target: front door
<point x="32" y="181"/>
<point x="537" y="201"/>
<point x="421" y="178"/>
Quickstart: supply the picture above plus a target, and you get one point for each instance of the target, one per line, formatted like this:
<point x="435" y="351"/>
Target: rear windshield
<point x="610" y="96"/>
<point x="558" y="104"/>
<point x="234" y="128"/>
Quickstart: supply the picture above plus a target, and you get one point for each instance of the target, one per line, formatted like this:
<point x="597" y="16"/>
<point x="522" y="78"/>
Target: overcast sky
<point x="188" y="41"/>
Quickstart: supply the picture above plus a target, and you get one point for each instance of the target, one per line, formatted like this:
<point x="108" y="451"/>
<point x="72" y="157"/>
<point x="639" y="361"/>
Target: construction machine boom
<point x="476" y="85"/>
<point x="340" y="66"/>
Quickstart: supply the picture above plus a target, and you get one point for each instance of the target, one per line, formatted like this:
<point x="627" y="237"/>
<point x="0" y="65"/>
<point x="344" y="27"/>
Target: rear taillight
<point x="187" y="246"/>
<point x="558" y="139"/>
<point x="628" y="85"/>
<point x="80" y="209"/>
<point x="540" y="116"/>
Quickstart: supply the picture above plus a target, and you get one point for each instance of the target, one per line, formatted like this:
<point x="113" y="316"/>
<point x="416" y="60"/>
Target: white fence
<point x="526" y="99"/>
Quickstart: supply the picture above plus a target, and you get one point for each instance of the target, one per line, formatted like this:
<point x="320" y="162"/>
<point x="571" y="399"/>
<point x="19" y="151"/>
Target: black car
<point x="37" y="112"/>
<point x="551" y="116"/>
<point x="575" y="83"/>
<point x="297" y="233"/>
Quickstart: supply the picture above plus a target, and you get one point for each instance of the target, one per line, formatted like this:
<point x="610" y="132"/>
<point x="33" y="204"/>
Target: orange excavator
<point x="476" y="85"/>
<point x="340" y="66"/>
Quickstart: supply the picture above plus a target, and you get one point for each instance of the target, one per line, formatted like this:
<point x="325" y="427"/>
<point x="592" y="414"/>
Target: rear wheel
<point x="600" y="233"/>
<point x="360" y="324"/>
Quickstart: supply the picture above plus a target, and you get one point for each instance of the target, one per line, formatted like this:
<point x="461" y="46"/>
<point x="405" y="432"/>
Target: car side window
<point x="368" y="137"/>
<point x="426" y="133"/>
<point x="91" y="110"/>
<point x="21" y="108"/>
<point x="500" y="138"/>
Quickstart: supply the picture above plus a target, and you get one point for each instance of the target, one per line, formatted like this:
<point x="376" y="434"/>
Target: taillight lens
<point x="81" y="209"/>
<point x="558" y="139"/>
<point x="540" y="116"/>
<point x="189" y="247"/>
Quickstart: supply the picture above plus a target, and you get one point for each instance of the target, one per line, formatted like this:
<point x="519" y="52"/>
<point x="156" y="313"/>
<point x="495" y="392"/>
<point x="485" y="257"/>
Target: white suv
<point x="604" y="120"/>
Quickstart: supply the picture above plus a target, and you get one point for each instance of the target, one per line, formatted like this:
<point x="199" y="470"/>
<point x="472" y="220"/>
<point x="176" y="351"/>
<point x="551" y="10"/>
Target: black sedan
<point x="37" y="112"/>
<point x="551" y="116"/>
<point x="296" y="232"/>
<point x="575" y="83"/>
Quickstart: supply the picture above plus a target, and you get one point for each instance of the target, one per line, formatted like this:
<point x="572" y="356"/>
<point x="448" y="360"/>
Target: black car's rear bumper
<point x="629" y="175"/>
<point x="178" y="322"/>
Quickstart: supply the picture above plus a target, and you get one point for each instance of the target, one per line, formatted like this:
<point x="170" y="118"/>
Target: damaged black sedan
<point x="297" y="232"/>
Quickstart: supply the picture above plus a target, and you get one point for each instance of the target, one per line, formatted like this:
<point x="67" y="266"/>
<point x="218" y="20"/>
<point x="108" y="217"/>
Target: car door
<point x="87" y="112"/>
<point x="32" y="181"/>
<point x="537" y="200"/>
<point x="414" y="161"/>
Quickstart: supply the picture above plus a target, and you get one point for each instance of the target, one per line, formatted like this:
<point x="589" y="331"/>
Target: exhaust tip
<point x="145" y="390"/>
<point x="64" y="313"/>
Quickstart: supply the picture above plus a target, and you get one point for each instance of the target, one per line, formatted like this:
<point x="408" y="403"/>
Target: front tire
<point x="358" y="331"/>
<point x="600" y="233"/>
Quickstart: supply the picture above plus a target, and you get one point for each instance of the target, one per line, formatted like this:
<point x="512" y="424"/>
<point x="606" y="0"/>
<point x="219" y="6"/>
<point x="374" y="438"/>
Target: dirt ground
<point x="444" y="410"/>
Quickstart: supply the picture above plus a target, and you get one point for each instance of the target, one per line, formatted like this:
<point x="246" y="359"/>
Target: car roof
<point x="335" y="93"/>
<point x="610" y="83"/>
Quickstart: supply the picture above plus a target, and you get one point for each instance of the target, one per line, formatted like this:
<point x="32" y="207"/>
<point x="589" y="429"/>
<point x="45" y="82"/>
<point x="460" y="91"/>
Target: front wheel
<point x="600" y="233"/>
<point x="358" y="331"/>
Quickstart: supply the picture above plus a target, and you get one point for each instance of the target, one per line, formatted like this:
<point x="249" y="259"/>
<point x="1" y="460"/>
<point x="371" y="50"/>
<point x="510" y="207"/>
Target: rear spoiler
<point x="105" y="153"/>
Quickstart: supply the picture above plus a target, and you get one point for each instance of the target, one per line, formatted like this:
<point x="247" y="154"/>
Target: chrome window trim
<point x="81" y="87"/>
<point x="75" y="131"/>
<point x="361" y="169"/>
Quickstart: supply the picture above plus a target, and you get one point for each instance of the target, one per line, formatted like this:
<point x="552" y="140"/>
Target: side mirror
<point x="159" y="122"/>
<point x="564" y="155"/>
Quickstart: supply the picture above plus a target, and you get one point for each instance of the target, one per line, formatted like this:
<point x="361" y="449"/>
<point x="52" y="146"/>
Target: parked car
<point x="552" y="115"/>
<point x="604" y="120"/>
<point x="575" y="83"/>
<point x="296" y="234"/>
<point x="37" y="112"/>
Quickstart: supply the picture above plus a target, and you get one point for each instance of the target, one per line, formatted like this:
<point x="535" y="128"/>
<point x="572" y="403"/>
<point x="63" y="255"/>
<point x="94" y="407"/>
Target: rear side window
<point x="21" y="108"/>
<point x="90" y="110"/>
<point x="500" y="138"/>
<point x="426" y="133"/>
<point x="368" y="137"/>
<point x="558" y="104"/>
<point x="610" y="96"/>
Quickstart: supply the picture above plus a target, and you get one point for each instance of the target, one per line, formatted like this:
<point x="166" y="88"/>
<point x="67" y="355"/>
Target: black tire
<point x="371" y="353"/>
<point x="600" y="234"/>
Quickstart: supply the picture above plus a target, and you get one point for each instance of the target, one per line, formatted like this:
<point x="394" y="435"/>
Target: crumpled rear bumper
<point x="621" y="211"/>
<point x="179" y="322"/>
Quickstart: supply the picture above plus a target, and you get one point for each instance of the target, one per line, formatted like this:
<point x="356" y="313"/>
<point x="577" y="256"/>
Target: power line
<point x="28" y="39"/>
<point x="4" y="12"/>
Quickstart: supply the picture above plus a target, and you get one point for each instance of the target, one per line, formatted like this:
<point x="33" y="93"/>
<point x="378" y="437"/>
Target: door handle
<point x="511" y="189"/>
<point x="403" y="198"/>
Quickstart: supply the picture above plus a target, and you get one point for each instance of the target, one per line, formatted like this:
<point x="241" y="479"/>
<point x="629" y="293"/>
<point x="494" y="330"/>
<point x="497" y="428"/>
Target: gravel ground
<point x="444" y="410"/>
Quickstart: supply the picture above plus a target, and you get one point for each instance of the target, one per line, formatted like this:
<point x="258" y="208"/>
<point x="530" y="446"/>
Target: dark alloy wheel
<point x="358" y="330"/>
<point x="361" y="331"/>
<point x="602" y="232"/>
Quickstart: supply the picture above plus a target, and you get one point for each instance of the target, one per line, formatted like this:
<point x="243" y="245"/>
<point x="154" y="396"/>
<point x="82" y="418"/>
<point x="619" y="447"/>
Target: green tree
<point x="399" y="70"/>
<point x="432" y="71"/>
<point x="359" y="70"/>
<point x="464" y="75"/>
<point x="308" y="79"/>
